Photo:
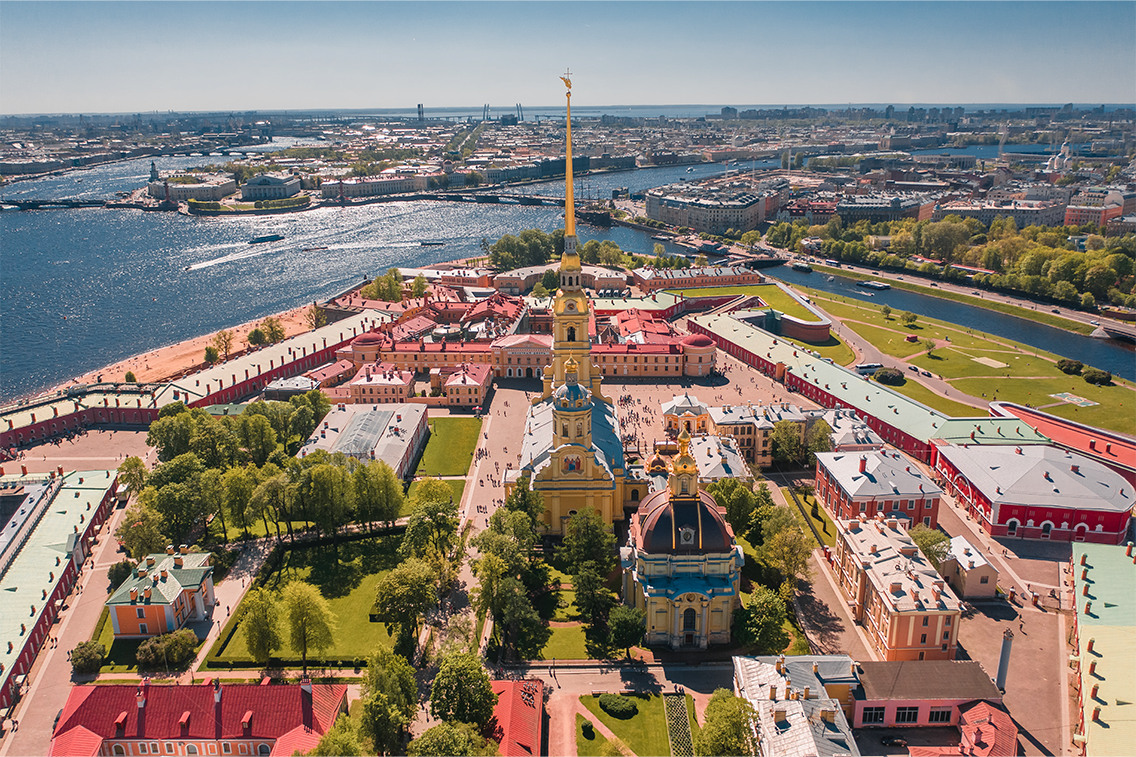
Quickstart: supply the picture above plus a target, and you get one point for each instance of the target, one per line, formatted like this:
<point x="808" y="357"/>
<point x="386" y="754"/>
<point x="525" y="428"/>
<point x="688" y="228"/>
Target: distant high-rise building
<point x="728" y="112"/>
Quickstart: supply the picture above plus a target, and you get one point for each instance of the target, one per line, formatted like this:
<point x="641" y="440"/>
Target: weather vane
<point x="567" y="81"/>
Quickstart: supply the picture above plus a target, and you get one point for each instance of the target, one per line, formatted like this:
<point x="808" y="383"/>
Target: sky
<point x="138" y="57"/>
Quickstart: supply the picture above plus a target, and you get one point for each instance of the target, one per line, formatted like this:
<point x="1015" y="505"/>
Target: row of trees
<point x="389" y="287"/>
<point x="268" y="331"/>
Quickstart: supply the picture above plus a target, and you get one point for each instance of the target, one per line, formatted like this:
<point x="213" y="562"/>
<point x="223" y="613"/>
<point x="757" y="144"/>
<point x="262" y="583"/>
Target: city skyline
<point x="113" y="57"/>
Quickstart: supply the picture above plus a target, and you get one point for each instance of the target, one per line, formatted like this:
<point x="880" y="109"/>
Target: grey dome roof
<point x="683" y="525"/>
<point x="571" y="395"/>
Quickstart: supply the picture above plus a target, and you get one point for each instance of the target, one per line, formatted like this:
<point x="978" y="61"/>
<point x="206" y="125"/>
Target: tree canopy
<point x="462" y="690"/>
<point x="311" y="623"/>
<point x="729" y="728"/>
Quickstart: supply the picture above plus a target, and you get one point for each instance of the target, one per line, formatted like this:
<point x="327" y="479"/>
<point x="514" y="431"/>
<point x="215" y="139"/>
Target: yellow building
<point x="572" y="451"/>
<point x="681" y="565"/>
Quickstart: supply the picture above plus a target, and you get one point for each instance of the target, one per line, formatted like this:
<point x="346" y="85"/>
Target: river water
<point x="87" y="287"/>
<point x="1105" y="354"/>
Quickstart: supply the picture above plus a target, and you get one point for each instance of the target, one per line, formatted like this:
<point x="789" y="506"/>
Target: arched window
<point x="571" y="333"/>
<point x="118" y="749"/>
<point x="689" y="619"/>
<point x="634" y="495"/>
<point x="685" y="487"/>
<point x="564" y="429"/>
<point x="190" y="749"/>
<point x="579" y="428"/>
<point x="1012" y="527"/>
<point x="1046" y="528"/>
<point x="264" y="749"/>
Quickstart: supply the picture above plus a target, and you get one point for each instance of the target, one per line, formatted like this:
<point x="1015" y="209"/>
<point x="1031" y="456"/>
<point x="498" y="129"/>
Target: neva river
<point x="88" y="287"/>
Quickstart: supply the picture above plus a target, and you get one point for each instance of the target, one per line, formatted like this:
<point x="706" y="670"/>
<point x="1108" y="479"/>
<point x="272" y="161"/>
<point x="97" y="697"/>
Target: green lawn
<point x="953" y="363"/>
<point x="589" y="743"/>
<point x="820" y="520"/>
<point x="349" y="586"/>
<point x="450" y="449"/>
<point x="567" y="643"/>
<point x="1115" y="411"/>
<point x="944" y="405"/>
<point x="978" y="302"/>
<point x="887" y="342"/>
<point x="456" y="484"/>
<point x="770" y="294"/>
<point x="645" y="732"/>
<point x="120" y="654"/>
<point x="256" y="530"/>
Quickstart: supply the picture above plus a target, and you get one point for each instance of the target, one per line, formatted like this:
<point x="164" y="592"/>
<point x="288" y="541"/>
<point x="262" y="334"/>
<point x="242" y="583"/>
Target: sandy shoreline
<point x="164" y="362"/>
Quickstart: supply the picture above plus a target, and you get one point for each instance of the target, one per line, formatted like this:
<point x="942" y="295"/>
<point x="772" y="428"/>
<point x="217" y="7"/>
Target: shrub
<point x="618" y="706"/>
<point x="119" y="572"/>
<point x="87" y="657"/>
<point x="890" y="376"/>
<point x="1097" y="376"/>
<point x="1072" y="367"/>
<point x="170" y="649"/>
<point x="130" y="378"/>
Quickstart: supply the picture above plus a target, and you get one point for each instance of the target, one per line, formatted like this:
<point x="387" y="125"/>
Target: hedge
<point x="618" y="706"/>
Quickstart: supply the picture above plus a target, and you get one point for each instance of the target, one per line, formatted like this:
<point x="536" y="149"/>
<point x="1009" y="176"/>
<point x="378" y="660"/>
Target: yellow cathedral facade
<point x="572" y="451"/>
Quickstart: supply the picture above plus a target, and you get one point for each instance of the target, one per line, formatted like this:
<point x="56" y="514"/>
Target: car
<point x="912" y="368"/>
<point x="893" y="741"/>
<point x="1055" y="310"/>
<point x="1094" y="323"/>
<point x="926" y="373"/>
<point x="934" y="285"/>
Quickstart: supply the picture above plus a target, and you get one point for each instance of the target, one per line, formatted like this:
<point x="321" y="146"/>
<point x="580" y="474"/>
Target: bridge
<point x="1119" y="330"/>
<point x="37" y="204"/>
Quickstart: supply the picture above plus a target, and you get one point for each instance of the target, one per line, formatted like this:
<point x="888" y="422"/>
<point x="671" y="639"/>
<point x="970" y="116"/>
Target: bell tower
<point x="683" y="479"/>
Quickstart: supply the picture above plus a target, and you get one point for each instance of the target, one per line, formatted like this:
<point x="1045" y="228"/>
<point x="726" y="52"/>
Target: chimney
<point x="1092" y="443"/>
<point x="1128" y="549"/>
<point x="134" y="595"/>
<point x="1096" y="688"/>
<point x="165" y="575"/>
<point x="895" y="587"/>
<point x="779" y="715"/>
<point x="772" y="693"/>
<point x="1089" y="646"/>
<point x="805" y="695"/>
<point x="217" y="691"/>
<point x="1075" y="468"/>
<point x="142" y="571"/>
<point x="183" y="549"/>
<point x="306" y="685"/>
<point x="863" y="463"/>
<point x="146" y="593"/>
<point x="149" y="562"/>
<point x="169" y="549"/>
<point x="1093" y="668"/>
<point x="816" y="667"/>
<point x="1096" y="714"/>
<point x="178" y="561"/>
<point x="828" y="716"/>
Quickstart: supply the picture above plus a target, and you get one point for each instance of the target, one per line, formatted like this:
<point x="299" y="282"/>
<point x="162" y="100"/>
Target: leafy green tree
<point x="256" y="338"/>
<point x="908" y="319"/>
<point x="142" y="530"/>
<point x="593" y="599"/>
<point x="431" y="528"/>
<point x="539" y="290"/>
<point x="786" y="441"/>
<point x="933" y="543"/>
<point x="454" y="739"/>
<point x="328" y="492"/>
<point x="87" y="657"/>
<point x="130" y="378"/>
<point x="261" y="622"/>
<point x="341" y="740"/>
<point x="462" y="690"/>
<point x="119" y="572"/>
<point x="223" y="341"/>
<point x="525" y="633"/>
<point x="212" y="356"/>
<point x="928" y="346"/>
<point x="729" y="728"/>
<point x="311" y="623"/>
<point x="257" y="437"/>
<point x="273" y="329"/>
<point x="390" y="699"/>
<point x="941" y="239"/>
<point x="760" y="624"/>
<point x="737" y="497"/>
<point x="405" y="595"/>
<point x="419" y="286"/>
<point x="237" y="486"/>
<point x="315" y="317"/>
<point x="819" y="439"/>
<point x="886" y="310"/>
<point x="171" y="434"/>
<point x="378" y="493"/>
<point x="626" y="625"/>
<point x="788" y="551"/>
<point x="551" y="279"/>
<point x="587" y="539"/>
<point x="132" y="473"/>
<point x="213" y="443"/>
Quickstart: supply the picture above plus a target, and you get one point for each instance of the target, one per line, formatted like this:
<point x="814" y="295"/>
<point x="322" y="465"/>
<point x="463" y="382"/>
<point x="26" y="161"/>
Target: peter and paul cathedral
<point x="572" y="451"/>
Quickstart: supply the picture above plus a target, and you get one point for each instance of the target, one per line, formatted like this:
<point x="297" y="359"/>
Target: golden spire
<point x="569" y="200"/>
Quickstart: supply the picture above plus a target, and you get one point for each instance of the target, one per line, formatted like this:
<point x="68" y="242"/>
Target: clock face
<point x="571" y="307"/>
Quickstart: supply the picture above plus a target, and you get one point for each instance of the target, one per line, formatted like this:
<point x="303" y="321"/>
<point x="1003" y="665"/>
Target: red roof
<point x="276" y="710"/>
<point x="518" y="717"/>
<point x="987" y="731"/>
<point x="77" y="742"/>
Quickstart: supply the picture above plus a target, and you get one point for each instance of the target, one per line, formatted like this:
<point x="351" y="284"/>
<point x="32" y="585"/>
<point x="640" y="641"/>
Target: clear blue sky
<point x="105" y="57"/>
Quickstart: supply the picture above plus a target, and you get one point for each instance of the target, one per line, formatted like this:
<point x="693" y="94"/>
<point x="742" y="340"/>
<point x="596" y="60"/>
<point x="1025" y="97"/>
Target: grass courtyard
<point x="589" y="742"/>
<point x="346" y="580"/>
<point x="770" y="294"/>
<point x="645" y="732"/>
<point x="450" y="449"/>
<point x="457" y="485"/>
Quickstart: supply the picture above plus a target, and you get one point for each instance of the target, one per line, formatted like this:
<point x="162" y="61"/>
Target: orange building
<point x="163" y="593"/>
<point x="905" y="606"/>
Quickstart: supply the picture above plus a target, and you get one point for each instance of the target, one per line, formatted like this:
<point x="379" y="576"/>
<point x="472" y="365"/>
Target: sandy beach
<point x="164" y="362"/>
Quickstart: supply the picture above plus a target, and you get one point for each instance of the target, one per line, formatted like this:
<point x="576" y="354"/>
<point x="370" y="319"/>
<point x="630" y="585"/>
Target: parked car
<point x="893" y="741"/>
<point x="912" y="368"/>
<point x="926" y="373"/>
<point x="1094" y="323"/>
<point x="1055" y="310"/>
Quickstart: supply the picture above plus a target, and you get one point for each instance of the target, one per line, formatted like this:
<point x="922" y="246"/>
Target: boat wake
<point x="257" y="251"/>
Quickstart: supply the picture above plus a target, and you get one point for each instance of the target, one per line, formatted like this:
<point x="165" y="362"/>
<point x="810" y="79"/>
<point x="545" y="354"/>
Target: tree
<point x="390" y="699"/>
<point x="237" y="486"/>
<point x="886" y="310"/>
<point x="539" y="290"/>
<point x="729" y="727"/>
<point x="760" y="624"/>
<point x="260" y="620"/>
<point x="273" y="330"/>
<point x="328" y="492"/>
<point x="786" y="441"/>
<point x="130" y="378"/>
<point x="587" y="539"/>
<point x="256" y="338"/>
<point x="739" y="500"/>
<point x="551" y="279"/>
<point x="928" y="346"/>
<point x="341" y="740"/>
<point x="908" y="319"/>
<point x="257" y="437"/>
<point x="169" y="650"/>
<point x="432" y="526"/>
<point x="419" y="286"/>
<point x="132" y="473"/>
<point x="788" y="551"/>
<point x="453" y="739"/>
<point x="119" y="572"/>
<point x="142" y="528"/>
<point x="462" y="690"/>
<point x="819" y="439"/>
<point x="593" y="599"/>
<point x="223" y="341"/>
<point x="404" y="595"/>
<point x="934" y="544"/>
<point x="1088" y="301"/>
<point x="315" y="317"/>
<point x="87" y="657"/>
<point x="378" y="493"/>
<point x="311" y="623"/>
<point x="626" y="625"/>
<point x="211" y="355"/>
